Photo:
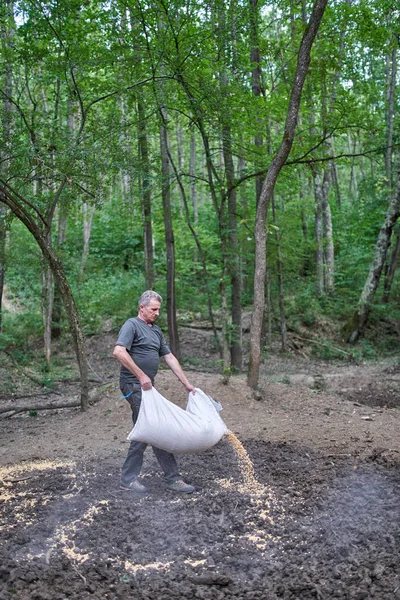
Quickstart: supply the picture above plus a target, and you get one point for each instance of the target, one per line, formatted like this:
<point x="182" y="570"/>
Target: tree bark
<point x="146" y="197"/>
<point x="169" y="241"/>
<point x="233" y="255"/>
<point x="192" y="173"/>
<point x="355" y="327"/>
<point x="277" y="163"/>
<point x="57" y="301"/>
<point x="335" y="175"/>
<point x="7" y="34"/>
<point x="391" y="271"/>
<point x="88" y="216"/>
<point x="282" y="319"/>
<point x="47" y="306"/>
<point x="390" y="104"/>
<point x="319" y="237"/>
<point x="256" y="81"/>
<point x="329" y="251"/>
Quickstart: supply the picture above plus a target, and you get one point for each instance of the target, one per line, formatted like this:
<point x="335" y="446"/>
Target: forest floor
<point x="323" y="521"/>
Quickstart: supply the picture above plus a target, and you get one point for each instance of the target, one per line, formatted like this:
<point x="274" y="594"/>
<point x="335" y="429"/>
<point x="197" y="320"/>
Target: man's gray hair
<point x="148" y="296"/>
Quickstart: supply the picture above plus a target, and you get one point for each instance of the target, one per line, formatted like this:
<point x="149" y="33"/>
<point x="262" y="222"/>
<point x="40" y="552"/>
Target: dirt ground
<point x="323" y="521"/>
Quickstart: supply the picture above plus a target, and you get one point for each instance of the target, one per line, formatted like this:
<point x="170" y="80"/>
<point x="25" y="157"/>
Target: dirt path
<point x="324" y="522"/>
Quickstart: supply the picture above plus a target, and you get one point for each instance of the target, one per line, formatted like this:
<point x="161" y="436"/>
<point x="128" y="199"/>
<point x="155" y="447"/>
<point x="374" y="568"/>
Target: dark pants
<point x="134" y="460"/>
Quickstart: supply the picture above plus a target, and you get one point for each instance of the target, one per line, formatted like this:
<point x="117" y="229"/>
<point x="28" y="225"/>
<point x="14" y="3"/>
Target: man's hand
<point x="145" y="382"/>
<point x="190" y="388"/>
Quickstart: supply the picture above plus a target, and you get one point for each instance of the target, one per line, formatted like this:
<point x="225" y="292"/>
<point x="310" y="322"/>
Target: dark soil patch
<point x="324" y="527"/>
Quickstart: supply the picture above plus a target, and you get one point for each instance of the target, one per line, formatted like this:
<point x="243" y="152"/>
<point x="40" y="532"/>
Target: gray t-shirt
<point x="144" y="344"/>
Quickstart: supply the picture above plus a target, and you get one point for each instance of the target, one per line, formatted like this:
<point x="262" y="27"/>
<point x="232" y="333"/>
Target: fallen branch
<point x="42" y="393"/>
<point x="49" y="406"/>
<point x="94" y="397"/>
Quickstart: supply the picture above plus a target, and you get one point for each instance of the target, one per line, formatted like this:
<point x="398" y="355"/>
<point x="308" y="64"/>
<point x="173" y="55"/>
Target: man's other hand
<point x="145" y="382"/>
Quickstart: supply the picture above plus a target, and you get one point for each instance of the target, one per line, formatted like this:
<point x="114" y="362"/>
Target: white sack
<point x="169" y="427"/>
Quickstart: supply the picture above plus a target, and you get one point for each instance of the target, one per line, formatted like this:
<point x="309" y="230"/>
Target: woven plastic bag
<point x="169" y="427"/>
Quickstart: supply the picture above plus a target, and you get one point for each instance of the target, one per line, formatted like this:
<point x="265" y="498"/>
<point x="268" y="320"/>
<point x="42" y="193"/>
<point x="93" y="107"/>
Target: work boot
<point x="180" y="486"/>
<point x="135" y="486"/>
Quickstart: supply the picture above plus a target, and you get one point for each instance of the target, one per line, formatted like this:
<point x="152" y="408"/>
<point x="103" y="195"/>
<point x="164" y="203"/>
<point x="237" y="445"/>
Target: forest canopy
<point x="234" y="156"/>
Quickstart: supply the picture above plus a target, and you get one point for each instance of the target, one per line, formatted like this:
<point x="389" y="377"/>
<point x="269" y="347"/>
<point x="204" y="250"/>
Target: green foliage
<point x="109" y="296"/>
<point x="79" y="71"/>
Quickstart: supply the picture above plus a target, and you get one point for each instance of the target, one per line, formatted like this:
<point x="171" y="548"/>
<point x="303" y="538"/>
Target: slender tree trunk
<point x="57" y="302"/>
<point x="269" y="185"/>
<point x="268" y="310"/>
<point x="245" y="255"/>
<point x="169" y="241"/>
<point x="282" y="320"/>
<point x="335" y="176"/>
<point x="256" y="81"/>
<point x="88" y="211"/>
<point x="192" y="173"/>
<point x="226" y="356"/>
<point x="329" y="251"/>
<point x="47" y="307"/>
<point x="319" y="237"/>
<point x="393" y="256"/>
<point x="391" y="271"/>
<point x="7" y="34"/>
<point x="146" y="197"/>
<point x="390" y="103"/>
<point x="353" y="189"/>
<point x="233" y="256"/>
<point x="180" y="152"/>
<point x="356" y="325"/>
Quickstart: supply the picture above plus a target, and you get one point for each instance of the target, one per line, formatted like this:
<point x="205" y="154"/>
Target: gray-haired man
<point x="139" y="345"/>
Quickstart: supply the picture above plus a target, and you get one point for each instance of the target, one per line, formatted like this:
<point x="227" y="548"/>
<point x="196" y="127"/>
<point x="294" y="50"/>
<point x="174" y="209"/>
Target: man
<point x="138" y="348"/>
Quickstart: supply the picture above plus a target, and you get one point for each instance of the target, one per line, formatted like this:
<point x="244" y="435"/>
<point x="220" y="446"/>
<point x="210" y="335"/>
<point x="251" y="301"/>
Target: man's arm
<point x="121" y="354"/>
<point x="176" y="368"/>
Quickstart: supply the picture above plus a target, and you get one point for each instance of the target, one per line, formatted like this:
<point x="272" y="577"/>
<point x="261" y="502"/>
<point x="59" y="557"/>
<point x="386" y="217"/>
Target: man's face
<point x="149" y="313"/>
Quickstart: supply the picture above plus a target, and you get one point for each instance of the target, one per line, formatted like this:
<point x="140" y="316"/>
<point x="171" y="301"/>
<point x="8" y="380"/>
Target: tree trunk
<point x="335" y="175"/>
<point x="269" y="185"/>
<point x="88" y="215"/>
<point x="282" y="317"/>
<point x="7" y="34"/>
<point x="226" y="358"/>
<point x="353" y="189"/>
<point x="192" y="174"/>
<point x="17" y="208"/>
<point x="169" y="242"/>
<point x="256" y="81"/>
<point x="57" y="301"/>
<point x="355" y="327"/>
<point x="319" y="237"/>
<point x="47" y="306"/>
<point x="391" y="73"/>
<point x="329" y="251"/>
<point x="233" y="256"/>
<point x="146" y="197"/>
<point x="390" y="273"/>
<point x="390" y="103"/>
<point x="180" y="152"/>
